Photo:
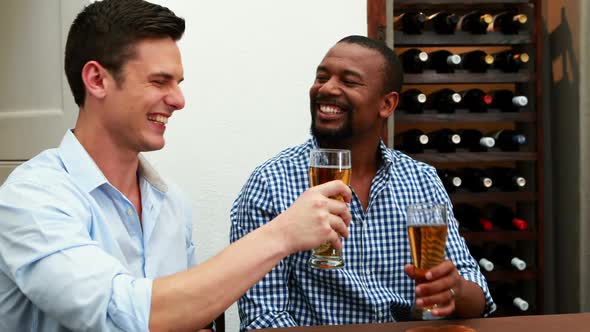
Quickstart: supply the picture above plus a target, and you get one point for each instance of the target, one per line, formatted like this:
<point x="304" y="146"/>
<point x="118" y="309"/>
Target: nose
<point x="330" y="87"/>
<point x="175" y="99"/>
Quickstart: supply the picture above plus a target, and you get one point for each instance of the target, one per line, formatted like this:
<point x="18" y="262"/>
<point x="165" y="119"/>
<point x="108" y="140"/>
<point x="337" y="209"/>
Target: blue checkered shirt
<point x="372" y="287"/>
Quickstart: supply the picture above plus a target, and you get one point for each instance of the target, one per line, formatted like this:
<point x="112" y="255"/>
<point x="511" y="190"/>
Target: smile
<point x="330" y="109"/>
<point x="158" y="118"/>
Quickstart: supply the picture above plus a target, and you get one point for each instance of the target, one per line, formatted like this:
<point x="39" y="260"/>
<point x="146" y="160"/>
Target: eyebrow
<point x="166" y="76"/>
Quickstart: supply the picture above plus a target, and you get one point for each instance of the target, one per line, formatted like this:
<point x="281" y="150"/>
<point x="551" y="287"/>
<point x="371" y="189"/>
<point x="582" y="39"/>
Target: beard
<point x="334" y="135"/>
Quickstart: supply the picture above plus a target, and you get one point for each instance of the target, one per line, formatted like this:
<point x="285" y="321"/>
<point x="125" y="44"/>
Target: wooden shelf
<point x="496" y="197"/>
<point x="457" y="2"/>
<point x="460" y="38"/>
<point x="528" y="274"/>
<point x="463" y="76"/>
<point x="496" y="236"/>
<point x="431" y="116"/>
<point x="457" y="157"/>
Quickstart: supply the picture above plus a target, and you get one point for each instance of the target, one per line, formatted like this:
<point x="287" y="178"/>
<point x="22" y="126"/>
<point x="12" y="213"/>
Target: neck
<point x="119" y="165"/>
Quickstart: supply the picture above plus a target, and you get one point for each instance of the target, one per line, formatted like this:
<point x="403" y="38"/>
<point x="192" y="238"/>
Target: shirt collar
<point x="386" y="156"/>
<point x="86" y="173"/>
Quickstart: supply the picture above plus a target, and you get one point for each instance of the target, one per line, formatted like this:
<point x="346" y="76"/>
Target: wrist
<point x="278" y="238"/>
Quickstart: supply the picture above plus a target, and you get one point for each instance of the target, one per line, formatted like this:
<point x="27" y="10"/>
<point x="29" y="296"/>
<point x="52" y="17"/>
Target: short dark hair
<point x="393" y="76"/>
<point x="106" y="31"/>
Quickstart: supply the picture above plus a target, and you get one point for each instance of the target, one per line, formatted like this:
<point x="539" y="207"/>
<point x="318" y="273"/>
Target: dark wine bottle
<point x="510" y="61"/>
<point x="476" y="180"/>
<point x="412" y="141"/>
<point x="412" y="101"/>
<point x="504" y="256"/>
<point x="506" y="179"/>
<point x="480" y="254"/>
<point x="503" y="217"/>
<point x="450" y="179"/>
<point x="470" y="218"/>
<point x="444" y="61"/>
<point x="508" y="140"/>
<point x="475" y="141"/>
<point x="414" y="60"/>
<point x="445" y="140"/>
<point x="443" y="22"/>
<point x="505" y="296"/>
<point x="445" y="100"/>
<point x="475" y="22"/>
<point x="508" y="22"/>
<point x="477" y="61"/>
<point x="476" y="101"/>
<point x="410" y="22"/>
<point x="506" y="101"/>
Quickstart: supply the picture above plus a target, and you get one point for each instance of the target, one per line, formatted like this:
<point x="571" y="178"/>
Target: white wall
<point x="248" y="67"/>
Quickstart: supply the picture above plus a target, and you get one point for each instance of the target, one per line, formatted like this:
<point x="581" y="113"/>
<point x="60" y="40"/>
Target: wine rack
<point x="526" y="202"/>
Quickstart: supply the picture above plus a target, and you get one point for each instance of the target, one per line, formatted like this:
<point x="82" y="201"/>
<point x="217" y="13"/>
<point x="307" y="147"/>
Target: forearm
<point x="470" y="301"/>
<point x="192" y="299"/>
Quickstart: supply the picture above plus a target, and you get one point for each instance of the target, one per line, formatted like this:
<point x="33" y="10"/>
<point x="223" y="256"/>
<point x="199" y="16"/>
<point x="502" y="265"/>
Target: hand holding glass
<point x="326" y="165"/>
<point x="427" y="230"/>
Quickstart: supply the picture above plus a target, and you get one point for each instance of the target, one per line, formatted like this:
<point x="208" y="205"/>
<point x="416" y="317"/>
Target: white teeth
<point x="330" y="109"/>
<point x="158" y="118"/>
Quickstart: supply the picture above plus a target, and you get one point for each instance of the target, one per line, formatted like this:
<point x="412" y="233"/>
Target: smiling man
<point x="356" y="88"/>
<point x="92" y="238"/>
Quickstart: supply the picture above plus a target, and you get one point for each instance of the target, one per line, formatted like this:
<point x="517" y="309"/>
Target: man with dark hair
<point x="91" y="237"/>
<point x="356" y="89"/>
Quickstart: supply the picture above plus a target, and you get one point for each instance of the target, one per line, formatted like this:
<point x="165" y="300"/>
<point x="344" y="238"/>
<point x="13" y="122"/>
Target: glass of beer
<point x="427" y="230"/>
<point x="326" y="165"/>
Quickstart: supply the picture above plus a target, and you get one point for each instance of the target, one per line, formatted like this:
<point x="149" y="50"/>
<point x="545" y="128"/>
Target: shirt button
<point x="129" y="212"/>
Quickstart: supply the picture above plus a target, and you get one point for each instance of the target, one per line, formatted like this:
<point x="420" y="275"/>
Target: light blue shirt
<point x="73" y="254"/>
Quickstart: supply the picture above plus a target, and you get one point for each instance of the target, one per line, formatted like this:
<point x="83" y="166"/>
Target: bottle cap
<point x="489" y="59"/>
<point x="520" y="304"/>
<point x="421" y="98"/>
<point x="488" y="99"/>
<point x="486" y="264"/>
<point x="487" y="142"/>
<point x="455" y="139"/>
<point x="520" y="224"/>
<point x="521" y="18"/>
<point x="423" y="139"/>
<point x="520" y="101"/>
<point x="524" y="57"/>
<point x="456" y="97"/>
<point x="486" y="225"/>
<point x="456" y="181"/>
<point x="518" y="263"/>
<point x="423" y="56"/>
<point x="454" y="59"/>
<point x="520" y="181"/>
<point x="487" y="182"/>
<point x="486" y="18"/>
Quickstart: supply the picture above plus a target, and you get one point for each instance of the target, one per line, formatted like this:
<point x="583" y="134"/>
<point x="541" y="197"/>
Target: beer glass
<point x="427" y="230"/>
<point x="326" y="165"/>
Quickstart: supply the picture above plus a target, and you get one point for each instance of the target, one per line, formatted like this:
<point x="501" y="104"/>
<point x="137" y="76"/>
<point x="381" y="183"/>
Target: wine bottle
<point x="510" y="61"/>
<point x="475" y="141"/>
<point x="506" y="297"/>
<point x="481" y="256"/>
<point x="445" y="100"/>
<point x="476" y="179"/>
<point x="443" y="22"/>
<point x="412" y="141"/>
<point x="475" y="22"/>
<point x="412" y="101"/>
<point x="469" y="217"/>
<point x="410" y="22"/>
<point x="506" y="101"/>
<point x="503" y="217"/>
<point x="506" y="179"/>
<point x="450" y="179"/>
<point x="508" y="140"/>
<point x="476" y="101"/>
<point x="504" y="256"/>
<point x="508" y="22"/>
<point x="445" y="140"/>
<point x="414" y="60"/>
<point x="444" y="61"/>
<point x="477" y="61"/>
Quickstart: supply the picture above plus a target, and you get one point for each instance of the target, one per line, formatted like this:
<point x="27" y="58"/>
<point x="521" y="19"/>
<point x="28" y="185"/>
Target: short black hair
<point x="393" y="76"/>
<point x="106" y="31"/>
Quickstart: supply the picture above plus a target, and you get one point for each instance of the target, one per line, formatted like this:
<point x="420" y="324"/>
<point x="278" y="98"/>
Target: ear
<point x="389" y="104"/>
<point x="96" y="79"/>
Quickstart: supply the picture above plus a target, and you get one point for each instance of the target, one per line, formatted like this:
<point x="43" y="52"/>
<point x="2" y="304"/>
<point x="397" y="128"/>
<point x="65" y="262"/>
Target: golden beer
<point x="317" y="176"/>
<point x="427" y="244"/>
<point x="327" y="165"/>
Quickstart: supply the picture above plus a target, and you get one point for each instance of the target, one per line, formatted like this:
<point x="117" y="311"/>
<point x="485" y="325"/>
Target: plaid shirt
<point x="372" y="287"/>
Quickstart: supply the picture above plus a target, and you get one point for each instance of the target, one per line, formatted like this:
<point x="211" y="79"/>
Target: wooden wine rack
<point x="529" y="203"/>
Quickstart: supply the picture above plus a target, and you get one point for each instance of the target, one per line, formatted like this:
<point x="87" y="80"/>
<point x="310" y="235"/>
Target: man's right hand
<point x="315" y="218"/>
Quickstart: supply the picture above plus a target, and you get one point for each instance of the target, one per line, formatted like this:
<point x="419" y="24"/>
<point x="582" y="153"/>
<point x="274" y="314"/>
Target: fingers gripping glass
<point x="326" y="165"/>
<point x="427" y="230"/>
